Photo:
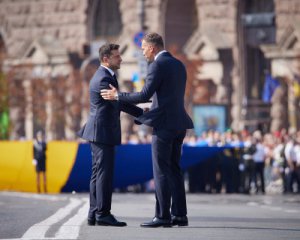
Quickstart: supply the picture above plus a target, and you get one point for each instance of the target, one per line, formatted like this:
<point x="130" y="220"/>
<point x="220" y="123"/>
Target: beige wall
<point x="287" y="13"/>
<point x="70" y="22"/>
<point x="23" y="20"/>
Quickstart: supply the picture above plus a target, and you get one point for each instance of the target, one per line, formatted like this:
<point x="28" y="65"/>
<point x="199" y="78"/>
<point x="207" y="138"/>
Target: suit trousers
<point x="101" y="183"/>
<point x="168" y="178"/>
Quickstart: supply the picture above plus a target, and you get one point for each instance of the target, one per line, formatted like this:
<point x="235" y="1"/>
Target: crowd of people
<point x="250" y="162"/>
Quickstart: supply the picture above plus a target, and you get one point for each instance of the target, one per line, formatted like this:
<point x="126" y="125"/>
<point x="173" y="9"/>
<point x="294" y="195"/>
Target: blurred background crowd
<point x="251" y="163"/>
<point x="267" y="162"/>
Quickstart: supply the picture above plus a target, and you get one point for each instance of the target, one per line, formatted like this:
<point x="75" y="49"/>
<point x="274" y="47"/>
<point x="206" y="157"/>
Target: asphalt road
<point x="240" y="217"/>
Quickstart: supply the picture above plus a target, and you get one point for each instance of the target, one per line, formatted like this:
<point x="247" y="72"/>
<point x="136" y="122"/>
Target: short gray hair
<point x="155" y="39"/>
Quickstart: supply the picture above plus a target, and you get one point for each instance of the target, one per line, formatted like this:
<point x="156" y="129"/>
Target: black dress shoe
<point x="157" y="222"/>
<point x="91" y="222"/>
<point x="109" y="220"/>
<point x="180" y="221"/>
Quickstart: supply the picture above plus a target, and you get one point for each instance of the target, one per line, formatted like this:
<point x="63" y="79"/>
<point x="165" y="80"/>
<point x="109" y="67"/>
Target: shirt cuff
<point x="117" y="96"/>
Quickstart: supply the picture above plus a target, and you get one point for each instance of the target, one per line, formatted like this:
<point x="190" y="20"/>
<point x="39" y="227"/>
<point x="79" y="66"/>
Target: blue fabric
<point x="133" y="164"/>
<point x="269" y="87"/>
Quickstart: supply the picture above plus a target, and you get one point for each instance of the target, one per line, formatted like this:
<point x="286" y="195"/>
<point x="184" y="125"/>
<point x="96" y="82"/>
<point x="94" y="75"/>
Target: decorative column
<point x="28" y="109"/>
<point x="238" y="98"/>
<point x="70" y="95"/>
<point x="49" y="109"/>
<point x="292" y="108"/>
<point x="278" y="108"/>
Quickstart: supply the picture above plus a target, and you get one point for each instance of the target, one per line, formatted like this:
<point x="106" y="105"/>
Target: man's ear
<point x="152" y="48"/>
<point x="104" y="59"/>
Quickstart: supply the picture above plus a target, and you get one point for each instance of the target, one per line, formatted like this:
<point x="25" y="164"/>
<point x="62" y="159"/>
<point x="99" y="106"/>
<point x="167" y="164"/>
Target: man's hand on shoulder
<point x="110" y="94"/>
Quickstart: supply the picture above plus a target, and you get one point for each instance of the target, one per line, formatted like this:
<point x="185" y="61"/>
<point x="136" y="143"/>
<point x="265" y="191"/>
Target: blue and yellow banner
<point x="68" y="165"/>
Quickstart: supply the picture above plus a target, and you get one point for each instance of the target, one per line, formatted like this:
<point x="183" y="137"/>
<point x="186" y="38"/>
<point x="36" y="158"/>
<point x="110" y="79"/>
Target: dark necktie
<point x="115" y="78"/>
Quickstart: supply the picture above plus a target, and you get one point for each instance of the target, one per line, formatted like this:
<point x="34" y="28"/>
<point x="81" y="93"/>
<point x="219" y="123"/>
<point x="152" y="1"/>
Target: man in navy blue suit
<point x="103" y="131"/>
<point x="165" y="83"/>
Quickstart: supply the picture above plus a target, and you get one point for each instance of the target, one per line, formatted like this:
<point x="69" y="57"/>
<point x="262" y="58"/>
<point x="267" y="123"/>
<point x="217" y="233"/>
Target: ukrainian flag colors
<point x="16" y="169"/>
<point x="61" y="157"/>
<point x="68" y="165"/>
<point x="17" y="173"/>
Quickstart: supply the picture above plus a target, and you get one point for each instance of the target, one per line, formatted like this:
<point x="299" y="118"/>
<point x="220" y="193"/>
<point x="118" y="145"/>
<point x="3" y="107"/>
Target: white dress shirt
<point x="156" y="56"/>
<point x="110" y="71"/>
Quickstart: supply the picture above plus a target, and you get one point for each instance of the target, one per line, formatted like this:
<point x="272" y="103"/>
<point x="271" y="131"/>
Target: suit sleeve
<point x="152" y="82"/>
<point x="130" y="109"/>
<point x="124" y="106"/>
<point x="104" y="84"/>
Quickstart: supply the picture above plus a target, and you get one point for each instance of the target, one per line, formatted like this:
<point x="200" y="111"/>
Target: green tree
<point x="4" y="113"/>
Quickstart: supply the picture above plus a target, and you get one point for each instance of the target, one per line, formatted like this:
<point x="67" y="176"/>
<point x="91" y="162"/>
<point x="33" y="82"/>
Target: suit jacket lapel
<point x="113" y="78"/>
<point x="116" y="81"/>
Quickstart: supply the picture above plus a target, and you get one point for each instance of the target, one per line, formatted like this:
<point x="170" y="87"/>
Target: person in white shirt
<point x="259" y="162"/>
<point x="291" y="169"/>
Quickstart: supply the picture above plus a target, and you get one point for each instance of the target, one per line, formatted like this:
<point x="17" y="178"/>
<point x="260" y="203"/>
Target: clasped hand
<point x="109" y="94"/>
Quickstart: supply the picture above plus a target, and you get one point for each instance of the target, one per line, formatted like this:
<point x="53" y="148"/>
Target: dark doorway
<point x="180" y="22"/>
<point x="257" y="28"/>
<point x="107" y="23"/>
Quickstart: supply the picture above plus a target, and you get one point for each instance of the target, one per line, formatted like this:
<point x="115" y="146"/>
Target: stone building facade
<point x="230" y="42"/>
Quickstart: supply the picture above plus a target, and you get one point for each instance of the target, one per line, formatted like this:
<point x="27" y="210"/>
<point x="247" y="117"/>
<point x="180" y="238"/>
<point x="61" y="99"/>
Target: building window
<point x="181" y="21"/>
<point x="107" y="19"/>
<point x="260" y="30"/>
<point x="257" y="6"/>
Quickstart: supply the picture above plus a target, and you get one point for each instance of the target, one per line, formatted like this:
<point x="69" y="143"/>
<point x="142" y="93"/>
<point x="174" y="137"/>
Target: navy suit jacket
<point x="103" y="124"/>
<point x="165" y="81"/>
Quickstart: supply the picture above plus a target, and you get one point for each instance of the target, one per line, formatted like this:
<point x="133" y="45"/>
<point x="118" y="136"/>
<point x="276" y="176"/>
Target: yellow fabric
<point x="61" y="157"/>
<point x="296" y="86"/>
<point x="17" y="173"/>
<point x="16" y="169"/>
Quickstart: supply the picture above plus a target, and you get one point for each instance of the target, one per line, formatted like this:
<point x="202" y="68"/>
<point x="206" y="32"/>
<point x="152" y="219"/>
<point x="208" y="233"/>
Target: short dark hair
<point x="106" y="49"/>
<point x="155" y="39"/>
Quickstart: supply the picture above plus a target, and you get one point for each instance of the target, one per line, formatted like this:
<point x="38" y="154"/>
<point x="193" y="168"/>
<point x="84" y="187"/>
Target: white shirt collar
<point x="110" y="71"/>
<point x="156" y="56"/>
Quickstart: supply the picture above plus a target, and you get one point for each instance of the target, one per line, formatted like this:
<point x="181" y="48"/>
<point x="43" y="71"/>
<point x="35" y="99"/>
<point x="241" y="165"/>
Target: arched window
<point x="180" y="22"/>
<point x="107" y="19"/>
<point x="262" y="31"/>
<point x="257" y="6"/>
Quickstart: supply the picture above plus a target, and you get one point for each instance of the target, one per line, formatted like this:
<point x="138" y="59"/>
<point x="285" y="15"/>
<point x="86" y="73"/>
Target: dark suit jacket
<point x="165" y="81"/>
<point x="103" y="124"/>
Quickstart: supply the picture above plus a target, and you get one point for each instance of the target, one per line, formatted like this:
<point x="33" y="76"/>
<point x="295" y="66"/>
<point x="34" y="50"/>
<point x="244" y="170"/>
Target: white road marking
<point x="38" y="231"/>
<point x="275" y="208"/>
<point x="71" y="228"/>
<point x="272" y="208"/>
<point x="252" y="203"/>
<point x="291" y="211"/>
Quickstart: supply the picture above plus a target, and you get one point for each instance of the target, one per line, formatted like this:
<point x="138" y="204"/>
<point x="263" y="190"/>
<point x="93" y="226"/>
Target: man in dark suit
<point x="103" y="131"/>
<point x="39" y="153"/>
<point x="165" y="82"/>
